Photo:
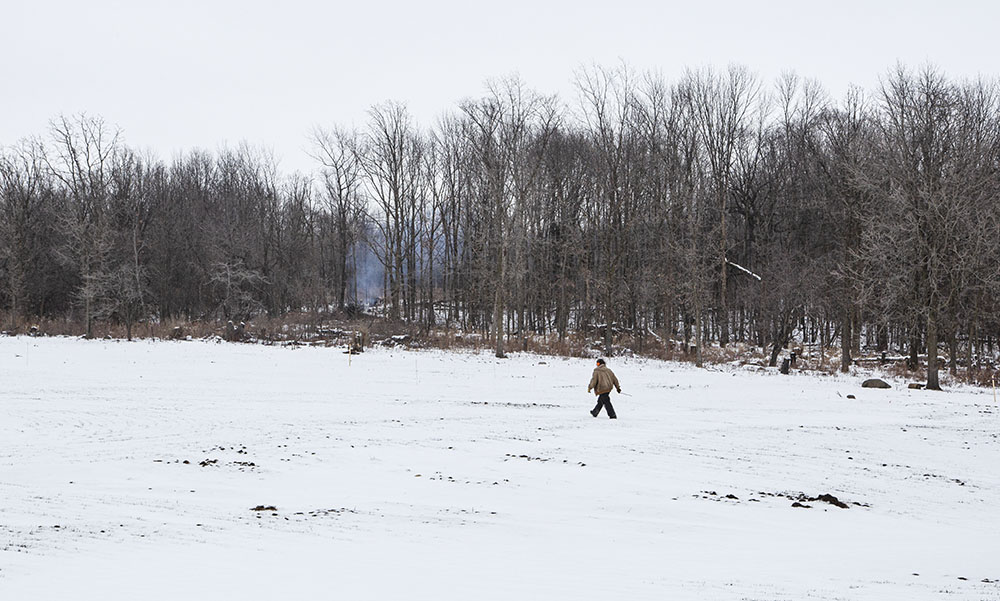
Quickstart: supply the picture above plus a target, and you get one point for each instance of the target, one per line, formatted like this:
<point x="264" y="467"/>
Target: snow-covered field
<point x="131" y="470"/>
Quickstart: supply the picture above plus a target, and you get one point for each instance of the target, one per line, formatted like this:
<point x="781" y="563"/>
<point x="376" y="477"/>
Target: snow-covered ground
<point x="131" y="470"/>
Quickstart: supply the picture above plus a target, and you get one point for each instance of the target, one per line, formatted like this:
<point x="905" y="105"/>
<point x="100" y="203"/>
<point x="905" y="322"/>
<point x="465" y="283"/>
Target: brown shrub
<point x="342" y="328"/>
<point x="981" y="377"/>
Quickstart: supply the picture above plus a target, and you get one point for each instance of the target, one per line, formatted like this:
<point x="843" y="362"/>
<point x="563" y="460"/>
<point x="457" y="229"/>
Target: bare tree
<point x="25" y="195"/>
<point x="508" y="131"/>
<point x="723" y="105"/>
<point x="336" y="151"/>
<point x="137" y="188"/>
<point x="612" y="113"/>
<point x="389" y="155"/>
<point x="81" y="156"/>
<point x="928" y="191"/>
<point x="845" y="156"/>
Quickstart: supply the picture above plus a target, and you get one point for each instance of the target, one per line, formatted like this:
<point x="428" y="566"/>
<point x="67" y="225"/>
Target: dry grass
<point x="900" y="369"/>
<point x="987" y="377"/>
<point x="46" y="327"/>
<point x="337" y="329"/>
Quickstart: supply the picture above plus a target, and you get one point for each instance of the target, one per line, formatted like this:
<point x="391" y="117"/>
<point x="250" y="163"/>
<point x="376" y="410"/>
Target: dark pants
<point x="604" y="400"/>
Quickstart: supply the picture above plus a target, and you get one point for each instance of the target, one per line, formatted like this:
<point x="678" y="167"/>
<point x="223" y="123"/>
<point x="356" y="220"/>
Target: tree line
<point x="710" y="210"/>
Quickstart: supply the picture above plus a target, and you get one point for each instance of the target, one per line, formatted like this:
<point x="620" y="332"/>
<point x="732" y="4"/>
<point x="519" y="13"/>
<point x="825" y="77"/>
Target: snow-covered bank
<point x="455" y="476"/>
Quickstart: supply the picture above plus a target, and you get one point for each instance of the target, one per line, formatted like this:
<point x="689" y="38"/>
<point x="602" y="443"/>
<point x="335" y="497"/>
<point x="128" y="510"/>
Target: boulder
<point x="875" y="383"/>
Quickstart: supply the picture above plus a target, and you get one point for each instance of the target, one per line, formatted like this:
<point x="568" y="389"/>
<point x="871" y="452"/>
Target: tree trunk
<point x="856" y="330"/>
<point x="953" y="352"/>
<point x="608" y="349"/>
<point x="89" y="320"/>
<point x="14" y="308"/>
<point x="498" y="310"/>
<point x="845" y="340"/>
<point x="914" y="360"/>
<point x="723" y="305"/>
<point x="686" y="333"/>
<point x="932" y="363"/>
<point x="968" y="352"/>
<point x="698" y="334"/>
<point x="342" y="268"/>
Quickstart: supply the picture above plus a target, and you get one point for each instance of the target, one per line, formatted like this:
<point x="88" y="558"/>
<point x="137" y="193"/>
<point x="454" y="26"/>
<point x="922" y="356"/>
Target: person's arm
<point x="593" y="381"/>
<point x="614" y="379"/>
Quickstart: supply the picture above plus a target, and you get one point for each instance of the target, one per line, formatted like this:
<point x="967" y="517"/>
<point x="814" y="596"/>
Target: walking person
<point x="601" y="383"/>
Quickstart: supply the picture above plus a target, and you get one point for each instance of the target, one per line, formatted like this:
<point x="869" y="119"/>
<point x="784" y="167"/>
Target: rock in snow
<point x="875" y="383"/>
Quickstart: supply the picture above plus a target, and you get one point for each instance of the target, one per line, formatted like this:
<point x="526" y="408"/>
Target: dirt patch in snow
<point x="799" y="499"/>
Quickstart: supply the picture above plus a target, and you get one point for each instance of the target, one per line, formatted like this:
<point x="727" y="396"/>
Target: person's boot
<point x="594" y="413"/>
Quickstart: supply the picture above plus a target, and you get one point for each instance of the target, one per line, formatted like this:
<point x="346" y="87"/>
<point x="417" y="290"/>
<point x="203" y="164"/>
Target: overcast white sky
<point x="182" y="74"/>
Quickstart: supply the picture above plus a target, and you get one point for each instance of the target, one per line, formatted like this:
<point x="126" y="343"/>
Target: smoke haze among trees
<point x="640" y="206"/>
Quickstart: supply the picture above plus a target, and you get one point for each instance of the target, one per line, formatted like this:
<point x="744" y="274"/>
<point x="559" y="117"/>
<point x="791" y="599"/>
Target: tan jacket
<point x="603" y="381"/>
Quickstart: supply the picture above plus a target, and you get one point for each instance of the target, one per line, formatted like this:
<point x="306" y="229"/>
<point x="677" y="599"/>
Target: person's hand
<point x="588" y="390"/>
<point x="619" y="391"/>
